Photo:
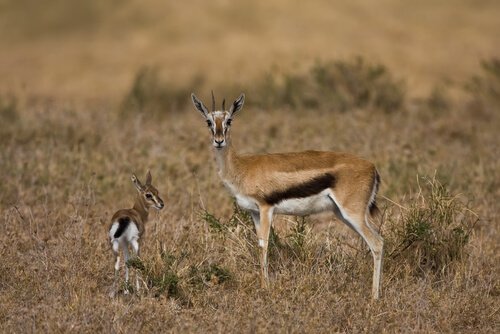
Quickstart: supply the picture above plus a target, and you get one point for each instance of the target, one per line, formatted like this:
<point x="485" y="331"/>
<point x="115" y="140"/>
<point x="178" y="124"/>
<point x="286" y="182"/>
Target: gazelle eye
<point x="209" y="123"/>
<point x="149" y="196"/>
<point x="228" y="122"/>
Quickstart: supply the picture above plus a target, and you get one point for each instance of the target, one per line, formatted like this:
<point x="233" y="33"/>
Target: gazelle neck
<point x="225" y="159"/>
<point x="141" y="208"/>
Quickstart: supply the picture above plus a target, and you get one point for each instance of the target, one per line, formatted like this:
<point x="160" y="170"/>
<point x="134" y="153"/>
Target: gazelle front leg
<point x="263" y="230"/>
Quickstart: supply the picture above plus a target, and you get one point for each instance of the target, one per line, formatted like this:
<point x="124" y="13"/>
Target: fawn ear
<point x="237" y="104"/>
<point x="149" y="178"/>
<point x="137" y="183"/>
<point x="199" y="105"/>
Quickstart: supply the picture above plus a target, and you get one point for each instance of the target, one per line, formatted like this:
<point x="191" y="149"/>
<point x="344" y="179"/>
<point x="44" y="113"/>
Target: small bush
<point x="151" y="96"/>
<point x="432" y="233"/>
<point x="160" y="278"/>
<point x="217" y="226"/>
<point x="485" y="89"/>
<point x="338" y="85"/>
<point x="438" y="100"/>
<point x="488" y="83"/>
<point x="8" y="109"/>
<point x="214" y="224"/>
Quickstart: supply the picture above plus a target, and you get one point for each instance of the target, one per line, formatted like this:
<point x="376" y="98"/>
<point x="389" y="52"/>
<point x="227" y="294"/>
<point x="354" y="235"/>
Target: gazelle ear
<point x="136" y="182"/>
<point x="149" y="178"/>
<point x="199" y="105"/>
<point x="237" y="104"/>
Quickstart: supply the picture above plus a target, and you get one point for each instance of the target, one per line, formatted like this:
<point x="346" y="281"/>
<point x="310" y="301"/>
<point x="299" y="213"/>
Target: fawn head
<point x="148" y="192"/>
<point x="219" y="121"/>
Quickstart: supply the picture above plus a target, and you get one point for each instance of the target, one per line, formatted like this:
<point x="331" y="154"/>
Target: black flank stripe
<point x="306" y="189"/>
<point x="122" y="226"/>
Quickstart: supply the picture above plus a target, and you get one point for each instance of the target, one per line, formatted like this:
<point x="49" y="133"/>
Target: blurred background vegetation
<point x="96" y="48"/>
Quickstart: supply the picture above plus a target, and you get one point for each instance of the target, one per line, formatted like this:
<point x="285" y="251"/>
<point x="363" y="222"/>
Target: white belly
<point x="296" y="207"/>
<point x="247" y="203"/>
<point x="305" y="206"/>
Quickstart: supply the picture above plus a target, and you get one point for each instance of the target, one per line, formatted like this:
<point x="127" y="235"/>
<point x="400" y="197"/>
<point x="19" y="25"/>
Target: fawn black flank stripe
<point x="123" y="223"/>
<point x="306" y="189"/>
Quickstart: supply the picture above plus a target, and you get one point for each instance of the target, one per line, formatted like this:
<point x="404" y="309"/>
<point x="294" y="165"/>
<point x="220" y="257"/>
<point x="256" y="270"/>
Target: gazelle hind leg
<point x="116" y="250"/>
<point x="376" y="245"/>
<point x="125" y="259"/>
<point x="135" y="247"/>
<point x="359" y="222"/>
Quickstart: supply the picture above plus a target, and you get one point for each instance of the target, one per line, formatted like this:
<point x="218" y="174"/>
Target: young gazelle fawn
<point x="127" y="225"/>
<point x="300" y="183"/>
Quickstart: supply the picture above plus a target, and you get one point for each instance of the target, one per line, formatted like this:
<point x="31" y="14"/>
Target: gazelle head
<point x="147" y="192"/>
<point x="219" y="121"/>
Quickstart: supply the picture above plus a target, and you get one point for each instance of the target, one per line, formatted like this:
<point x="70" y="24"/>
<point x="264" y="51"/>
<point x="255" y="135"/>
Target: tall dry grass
<point x="66" y="168"/>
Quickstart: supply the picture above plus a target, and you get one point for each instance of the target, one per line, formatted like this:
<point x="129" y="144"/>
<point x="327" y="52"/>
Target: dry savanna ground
<point x="92" y="92"/>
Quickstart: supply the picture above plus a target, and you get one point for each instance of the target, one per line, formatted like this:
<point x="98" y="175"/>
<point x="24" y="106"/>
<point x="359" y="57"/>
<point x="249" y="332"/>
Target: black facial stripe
<point x="306" y="189"/>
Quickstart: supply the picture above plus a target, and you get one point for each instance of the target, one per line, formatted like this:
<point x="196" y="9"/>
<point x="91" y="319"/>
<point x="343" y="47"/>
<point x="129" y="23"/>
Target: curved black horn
<point x="213" y="101"/>
<point x="223" y="104"/>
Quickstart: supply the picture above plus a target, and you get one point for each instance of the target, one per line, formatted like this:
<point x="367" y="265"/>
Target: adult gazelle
<point x="299" y="183"/>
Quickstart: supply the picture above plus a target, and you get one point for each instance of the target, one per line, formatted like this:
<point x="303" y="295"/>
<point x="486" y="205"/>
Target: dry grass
<point x="66" y="169"/>
<point x="66" y="164"/>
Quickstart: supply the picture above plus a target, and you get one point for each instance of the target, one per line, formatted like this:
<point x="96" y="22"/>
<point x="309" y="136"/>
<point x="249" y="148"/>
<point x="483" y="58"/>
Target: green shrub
<point x="431" y="235"/>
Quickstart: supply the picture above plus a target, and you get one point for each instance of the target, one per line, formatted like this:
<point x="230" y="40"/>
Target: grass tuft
<point x="160" y="278"/>
<point x="207" y="275"/>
